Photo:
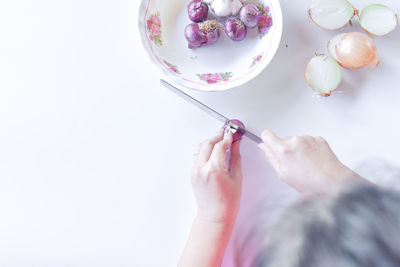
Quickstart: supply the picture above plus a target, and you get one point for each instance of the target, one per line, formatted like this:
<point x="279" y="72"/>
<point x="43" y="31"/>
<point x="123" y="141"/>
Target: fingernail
<point x="219" y="130"/>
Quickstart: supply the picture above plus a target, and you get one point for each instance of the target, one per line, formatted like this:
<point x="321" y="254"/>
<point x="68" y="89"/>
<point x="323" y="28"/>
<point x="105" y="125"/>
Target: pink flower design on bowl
<point x="154" y="28"/>
<point x="256" y="59"/>
<point x="213" y="78"/>
<point x="265" y="23"/>
<point x="172" y="67"/>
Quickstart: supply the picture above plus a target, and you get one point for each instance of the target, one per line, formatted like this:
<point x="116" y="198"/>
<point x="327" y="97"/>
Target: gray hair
<point x="360" y="226"/>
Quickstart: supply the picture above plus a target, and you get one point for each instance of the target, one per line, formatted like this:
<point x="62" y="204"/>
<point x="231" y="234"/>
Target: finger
<point x="196" y="153"/>
<point x="208" y="146"/>
<point x="321" y="140"/>
<point x="272" y="141"/>
<point x="235" y="162"/>
<point x="269" y="155"/>
<point x="310" y="139"/>
<point x="218" y="155"/>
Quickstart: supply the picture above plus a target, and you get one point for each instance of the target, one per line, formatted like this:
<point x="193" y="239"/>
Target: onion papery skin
<point x="354" y="50"/>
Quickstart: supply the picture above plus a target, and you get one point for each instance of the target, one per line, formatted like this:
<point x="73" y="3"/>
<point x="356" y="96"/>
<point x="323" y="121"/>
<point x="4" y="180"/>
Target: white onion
<point x="353" y="50"/>
<point x="323" y="74"/>
<point x="331" y="14"/>
<point x="378" y="20"/>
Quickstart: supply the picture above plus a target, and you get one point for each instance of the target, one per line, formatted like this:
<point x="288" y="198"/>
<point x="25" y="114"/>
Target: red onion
<point x="194" y="36"/>
<point x="235" y="29"/>
<point x="232" y="125"/>
<point x="197" y="10"/>
<point x="250" y="15"/>
<point x="212" y="37"/>
<point x="202" y="34"/>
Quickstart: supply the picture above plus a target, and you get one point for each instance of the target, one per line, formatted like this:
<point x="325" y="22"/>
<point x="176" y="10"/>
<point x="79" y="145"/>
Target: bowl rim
<point x="218" y="87"/>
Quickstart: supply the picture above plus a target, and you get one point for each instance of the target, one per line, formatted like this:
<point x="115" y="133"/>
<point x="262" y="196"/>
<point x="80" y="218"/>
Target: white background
<point x="95" y="155"/>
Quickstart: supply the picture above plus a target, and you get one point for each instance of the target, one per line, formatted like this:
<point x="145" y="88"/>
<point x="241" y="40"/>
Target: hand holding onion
<point x="216" y="177"/>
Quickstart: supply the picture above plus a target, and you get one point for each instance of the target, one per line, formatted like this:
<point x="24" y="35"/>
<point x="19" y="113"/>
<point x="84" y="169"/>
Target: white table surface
<point x="95" y="155"/>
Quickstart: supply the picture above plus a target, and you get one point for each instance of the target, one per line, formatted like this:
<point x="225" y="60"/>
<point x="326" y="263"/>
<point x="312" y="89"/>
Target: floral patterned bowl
<point x="219" y="67"/>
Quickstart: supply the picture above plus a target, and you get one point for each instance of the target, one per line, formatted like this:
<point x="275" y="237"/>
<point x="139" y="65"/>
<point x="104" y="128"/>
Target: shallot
<point x="323" y="74"/>
<point x="211" y="30"/>
<point x="194" y="36"/>
<point x="235" y="29"/>
<point x="202" y="34"/>
<point x="233" y="126"/>
<point x="197" y="10"/>
<point x="250" y="15"/>
<point x="331" y="14"/>
<point x="354" y="50"/>
<point x="378" y="20"/>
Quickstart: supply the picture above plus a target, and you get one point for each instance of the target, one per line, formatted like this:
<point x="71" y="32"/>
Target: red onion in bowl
<point x="194" y="36"/>
<point x="197" y="10"/>
<point x="211" y="29"/>
<point x="235" y="29"/>
<point x="202" y="34"/>
<point x="212" y="37"/>
<point x="250" y="15"/>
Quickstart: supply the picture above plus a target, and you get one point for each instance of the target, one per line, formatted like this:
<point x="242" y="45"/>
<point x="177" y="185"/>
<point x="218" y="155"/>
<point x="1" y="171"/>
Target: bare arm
<point x="207" y="243"/>
<point x="217" y="190"/>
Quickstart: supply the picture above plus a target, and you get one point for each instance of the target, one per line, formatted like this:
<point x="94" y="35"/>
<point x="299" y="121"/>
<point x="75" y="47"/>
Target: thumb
<point x="218" y="155"/>
<point x="271" y="141"/>
<point x="235" y="161"/>
<point x="271" y="146"/>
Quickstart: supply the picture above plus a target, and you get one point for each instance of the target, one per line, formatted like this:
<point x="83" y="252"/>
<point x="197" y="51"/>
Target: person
<point x="341" y="219"/>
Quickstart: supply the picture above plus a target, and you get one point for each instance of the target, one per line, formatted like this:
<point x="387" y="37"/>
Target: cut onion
<point x="323" y="74"/>
<point x="331" y="14"/>
<point x="353" y="50"/>
<point x="378" y="20"/>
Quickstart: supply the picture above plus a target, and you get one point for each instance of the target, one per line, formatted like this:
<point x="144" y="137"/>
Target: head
<point x="360" y="226"/>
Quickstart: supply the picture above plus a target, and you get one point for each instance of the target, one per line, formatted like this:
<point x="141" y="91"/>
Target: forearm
<point x="338" y="179"/>
<point x="352" y="177"/>
<point x="207" y="243"/>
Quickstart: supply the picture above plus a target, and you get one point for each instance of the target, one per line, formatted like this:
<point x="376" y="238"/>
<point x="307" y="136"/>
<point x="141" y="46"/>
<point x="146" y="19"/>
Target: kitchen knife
<point x="212" y="112"/>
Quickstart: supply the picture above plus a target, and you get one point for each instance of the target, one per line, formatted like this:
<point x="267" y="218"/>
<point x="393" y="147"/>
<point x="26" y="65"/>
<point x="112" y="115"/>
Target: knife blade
<point x="211" y="112"/>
